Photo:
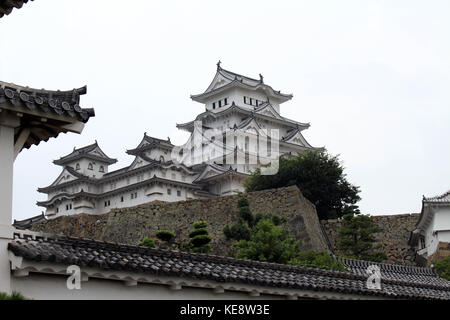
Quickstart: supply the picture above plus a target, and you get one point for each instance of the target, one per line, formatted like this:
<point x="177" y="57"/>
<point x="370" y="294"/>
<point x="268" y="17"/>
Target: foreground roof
<point x="397" y="281"/>
<point x="43" y="113"/>
<point x="6" y="6"/>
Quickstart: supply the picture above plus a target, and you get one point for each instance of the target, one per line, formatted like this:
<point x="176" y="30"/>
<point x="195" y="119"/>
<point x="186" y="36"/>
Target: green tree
<point x="199" y="238"/>
<point x="321" y="179"/>
<point x="267" y="242"/>
<point x="148" y="242"/>
<point x="241" y="229"/>
<point x="356" y="238"/>
<point x="442" y="268"/>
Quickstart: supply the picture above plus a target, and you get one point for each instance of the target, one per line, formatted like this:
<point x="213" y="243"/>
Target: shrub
<point x="243" y="202"/>
<point x="246" y="215"/>
<point x="165" y="235"/>
<point x="199" y="238"/>
<point x="148" y="242"/>
<point x="317" y="259"/>
<point x="238" y="231"/>
<point x="277" y="220"/>
<point x="13" y="296"/>
<point x="197" y="232"/>
<point x="200" y="224"/>
<point x="268" y="243"/>
<point x="442" y="268"/>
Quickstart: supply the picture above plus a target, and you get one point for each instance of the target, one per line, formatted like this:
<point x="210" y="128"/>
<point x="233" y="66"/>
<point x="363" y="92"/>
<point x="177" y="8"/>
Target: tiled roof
<point x="64" y="103"/>
<point x="27" y="223"/>
<point x="43" y="114"/>
<point x="150" y="142"/>
<point x="6" y="6"/>
<point x="84" y="152"/>
<point x="235" y="79"/>
<point x="110" y="256"/>
<point x="442" y="198"/>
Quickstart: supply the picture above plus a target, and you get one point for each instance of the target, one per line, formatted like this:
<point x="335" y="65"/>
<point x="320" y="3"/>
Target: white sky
<point x="372" y="78"/>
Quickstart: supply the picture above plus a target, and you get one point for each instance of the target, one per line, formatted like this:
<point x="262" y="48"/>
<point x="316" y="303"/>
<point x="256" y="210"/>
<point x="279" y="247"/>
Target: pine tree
<point x="356" y="238"/>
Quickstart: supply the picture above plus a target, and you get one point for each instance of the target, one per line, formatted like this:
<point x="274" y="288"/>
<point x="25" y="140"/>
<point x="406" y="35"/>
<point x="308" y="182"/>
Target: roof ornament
<point x="261" y="78"/>
<point x="168" y="139"/>
<point x="218" y="65"/>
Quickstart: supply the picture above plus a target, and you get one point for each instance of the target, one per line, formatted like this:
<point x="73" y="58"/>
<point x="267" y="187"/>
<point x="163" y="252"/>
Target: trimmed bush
<point x="197" y="232"/>
<point x="200" y="240"/>
<point x="200" y="224"/>
<point x="165" y="235"/>
<point x="148" y="242"/>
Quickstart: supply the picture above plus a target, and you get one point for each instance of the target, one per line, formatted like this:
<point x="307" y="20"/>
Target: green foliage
<point x="197" y="232"/>
<point x="442" y="268"/>
<point x="12" y="296"/>
<point x="317" y="259"/>
<point x="243" y="202"/>
<point x="199" y="239"/>
<point x="200" y="224"/>
<point x="238" y="231"/>
<point x="246" y="215"/>
<point x="268" y="243"/>
<point x="277" y="220"/>
<point x="321" y="179"/>
<point x="148" y="242"/>
<point x="165" y="235"/>
<point x="356" y="238"/>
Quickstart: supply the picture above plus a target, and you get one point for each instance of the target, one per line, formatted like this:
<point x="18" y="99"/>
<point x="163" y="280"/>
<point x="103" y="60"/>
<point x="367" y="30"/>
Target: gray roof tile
<point x="397" y="281"/>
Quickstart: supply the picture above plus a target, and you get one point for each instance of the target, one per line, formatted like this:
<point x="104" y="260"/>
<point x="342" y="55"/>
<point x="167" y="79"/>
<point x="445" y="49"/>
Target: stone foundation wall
<point x="394" y="237"/>
<point x="131" y="225"/>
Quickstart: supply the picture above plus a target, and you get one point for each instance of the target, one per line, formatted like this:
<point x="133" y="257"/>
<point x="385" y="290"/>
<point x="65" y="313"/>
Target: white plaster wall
<point x="441" y="219"/>
<point x="46" y="287"/>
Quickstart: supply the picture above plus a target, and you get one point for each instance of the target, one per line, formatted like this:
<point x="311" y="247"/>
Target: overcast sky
<point x="372" y="78"/>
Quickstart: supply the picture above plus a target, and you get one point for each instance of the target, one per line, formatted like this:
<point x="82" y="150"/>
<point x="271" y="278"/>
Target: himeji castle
<point x="240" y="130"/>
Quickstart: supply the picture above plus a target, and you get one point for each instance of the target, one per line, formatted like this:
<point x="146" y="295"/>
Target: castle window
<point x="57" y="209"/>
<point x="77" y="167"/>
<point x="214" y="105"/>
<point x="179" y="193"/>
<point x="121" y="199"/>
<point x="225" y="101"/>
<point x="102" y="169"/>
<point x="169" y="191"/>
<point x="220" y="103"/>
<point x="245" y="99"/>
<point x="251" y="101"/>
<point x="90" y="166"/>
<point x="161" y="158"/>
